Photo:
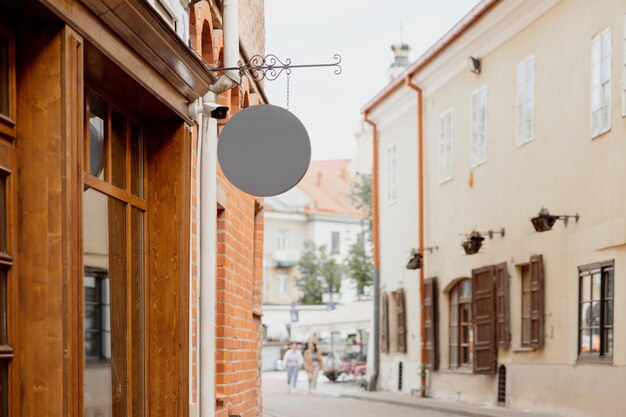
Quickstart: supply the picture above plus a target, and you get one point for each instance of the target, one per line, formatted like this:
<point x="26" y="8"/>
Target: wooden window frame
<point x="525" y="340"/>
<point x="8" y="122"/>
<point x="458" y="305"/>
<point x="602" y="107"/>
<point x="601" y="267"/>
<point x="105" y="187"/>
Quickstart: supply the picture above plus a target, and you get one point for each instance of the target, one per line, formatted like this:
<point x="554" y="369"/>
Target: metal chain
<point x="241" y="94"/>
<point x="288" y="89"/>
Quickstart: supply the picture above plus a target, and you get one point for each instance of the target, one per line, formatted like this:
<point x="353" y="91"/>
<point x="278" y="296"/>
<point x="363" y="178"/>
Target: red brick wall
<point x="239" y="258"/>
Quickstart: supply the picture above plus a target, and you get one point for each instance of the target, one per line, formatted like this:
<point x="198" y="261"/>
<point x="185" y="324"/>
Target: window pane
<point x="585" y="315"/>
<point x="595" y="50"/>
<point x="137" y="295"/>
<point x="97" y="116"/>
<point x="608" y="283"/>
<point x="608" y="342"/>
<point x="118" y="150"/>
<point x="104" y="245"/>
<point x="596" y="283"/>
<point x="4" y="338"/>
<point x="4" y="389"/>
<point x="595" y="340"/>
<point x="136" y="160"/>
<point x="608" y="313"/>
<point x="3" y="214"/>
<point x="4" y="76"/>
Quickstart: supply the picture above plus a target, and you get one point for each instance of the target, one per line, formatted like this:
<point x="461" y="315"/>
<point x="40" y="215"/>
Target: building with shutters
<point x="533" y="320"/>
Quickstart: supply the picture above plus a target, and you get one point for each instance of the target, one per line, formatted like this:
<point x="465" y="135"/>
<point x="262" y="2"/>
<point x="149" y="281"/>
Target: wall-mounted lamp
<point x="417" y="258"/>
<point x="474" y="240"/>
<point x="474" y="64"/>
<point x="544" y="220"/>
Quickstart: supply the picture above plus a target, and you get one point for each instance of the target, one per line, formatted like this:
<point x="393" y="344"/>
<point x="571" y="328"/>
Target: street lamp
<point x="544" y="220"/>
<point x="474" y="240"/>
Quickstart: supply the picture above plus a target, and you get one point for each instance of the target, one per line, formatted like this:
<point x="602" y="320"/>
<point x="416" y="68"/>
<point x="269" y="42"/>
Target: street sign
<point x="264" y="150"/>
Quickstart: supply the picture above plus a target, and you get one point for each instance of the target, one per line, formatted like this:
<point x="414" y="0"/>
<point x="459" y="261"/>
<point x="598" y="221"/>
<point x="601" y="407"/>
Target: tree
<point x="361" y="197"/>
<point x="308" y="282"/>
<point x="359" y="267"/>
<point x="319" y="273"/>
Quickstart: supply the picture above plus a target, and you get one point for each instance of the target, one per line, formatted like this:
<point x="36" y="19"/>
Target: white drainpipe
<point x="207" y="179"/>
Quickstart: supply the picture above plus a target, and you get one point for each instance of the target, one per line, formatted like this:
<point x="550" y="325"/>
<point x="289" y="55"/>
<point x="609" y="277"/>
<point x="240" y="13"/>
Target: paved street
<point x="326" y="402"/>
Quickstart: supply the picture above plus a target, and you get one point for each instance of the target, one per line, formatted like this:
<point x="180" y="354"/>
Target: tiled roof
<point x="328" y="184"/>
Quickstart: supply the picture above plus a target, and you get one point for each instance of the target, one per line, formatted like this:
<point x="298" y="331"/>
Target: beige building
<point x="534" y="121"/>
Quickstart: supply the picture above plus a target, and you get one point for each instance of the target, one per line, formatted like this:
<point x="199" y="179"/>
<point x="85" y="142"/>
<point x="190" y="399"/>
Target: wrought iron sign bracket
<point x="270" y="67"/>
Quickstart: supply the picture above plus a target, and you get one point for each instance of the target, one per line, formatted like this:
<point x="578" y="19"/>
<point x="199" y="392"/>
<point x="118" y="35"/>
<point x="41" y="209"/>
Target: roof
<point x="325" y="189"/>
<point x="480" y="10"/>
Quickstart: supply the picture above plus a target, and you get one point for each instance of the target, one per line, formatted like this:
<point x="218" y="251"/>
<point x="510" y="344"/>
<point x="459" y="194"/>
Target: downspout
<point x="420" y="192"/>
<point x="208" y="211"/>
<point x="373" y="382"/>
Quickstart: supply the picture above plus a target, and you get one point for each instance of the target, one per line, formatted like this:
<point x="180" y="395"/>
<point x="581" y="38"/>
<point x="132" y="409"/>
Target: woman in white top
<point x="293" y="361"/>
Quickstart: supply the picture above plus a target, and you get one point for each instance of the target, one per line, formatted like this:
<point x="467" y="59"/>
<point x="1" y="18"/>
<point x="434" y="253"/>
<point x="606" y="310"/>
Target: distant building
<point x="534" y="119"/>
<point x="319" y="210"/>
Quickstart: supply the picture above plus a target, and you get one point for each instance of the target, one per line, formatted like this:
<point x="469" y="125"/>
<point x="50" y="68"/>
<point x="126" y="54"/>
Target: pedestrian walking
<point x="312" y="363"/>
<point x="293" y="361"/>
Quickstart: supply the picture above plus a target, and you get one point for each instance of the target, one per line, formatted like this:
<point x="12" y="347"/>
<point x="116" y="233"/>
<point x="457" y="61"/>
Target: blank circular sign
<point x="264" y="150"/>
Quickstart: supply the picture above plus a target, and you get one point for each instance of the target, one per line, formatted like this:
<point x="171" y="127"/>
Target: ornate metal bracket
<point x="270" y="67"/>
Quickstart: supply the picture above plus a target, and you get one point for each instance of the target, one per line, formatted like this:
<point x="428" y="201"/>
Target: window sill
<point x="526" y="142"/>
<point x="444" y="181"/>
<point x="476" y="165"/>
<point x="599" y="134"/>
<point x="462" y="371"/>
<point x="524" y="349"/>
<point x="594" y="361"/>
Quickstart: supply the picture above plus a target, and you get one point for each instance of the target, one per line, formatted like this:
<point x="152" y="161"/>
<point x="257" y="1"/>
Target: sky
<point x="361" y="31"/>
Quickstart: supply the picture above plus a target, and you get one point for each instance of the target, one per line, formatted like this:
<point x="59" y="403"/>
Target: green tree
<point x="361" y="197"/>
<point x="319" y="272"/>
<point x="359" y="267"/>
<point x="308" y="282"/>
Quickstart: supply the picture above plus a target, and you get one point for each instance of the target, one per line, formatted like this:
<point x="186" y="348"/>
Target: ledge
<point x="137" y="23"/>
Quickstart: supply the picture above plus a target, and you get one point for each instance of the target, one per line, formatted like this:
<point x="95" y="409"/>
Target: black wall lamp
<point x="417" y="259"/>
<point x="474" y="64"/>
<point x="474" y="240"/>
<point x="544" y="220"/>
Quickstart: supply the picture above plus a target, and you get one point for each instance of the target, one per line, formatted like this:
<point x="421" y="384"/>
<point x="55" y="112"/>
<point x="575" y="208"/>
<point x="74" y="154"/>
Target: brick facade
<point x="239" y="240"/>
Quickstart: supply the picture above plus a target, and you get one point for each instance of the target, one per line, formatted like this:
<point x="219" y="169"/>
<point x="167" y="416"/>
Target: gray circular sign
<point x="264" y="150"/>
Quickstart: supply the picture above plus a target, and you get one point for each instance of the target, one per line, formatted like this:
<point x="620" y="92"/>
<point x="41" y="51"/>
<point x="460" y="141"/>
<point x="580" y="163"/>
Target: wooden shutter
<point x="431" y="323"/>
<point x="401" y="314"/>
<point x="384" y="323"/>
<point x="536" y="301"/>
<point x="483" y="309"/>
<point x="503" y="332"/>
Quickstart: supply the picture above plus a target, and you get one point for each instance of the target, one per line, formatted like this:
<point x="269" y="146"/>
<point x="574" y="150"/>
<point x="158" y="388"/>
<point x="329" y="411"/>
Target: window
<point x="595" y="318"/>
<point x="113" y="255"/>
<point x="391" y="174"/>
<point x="479" y="125"/>
<point x="4" y="75"/>
<point x="335" y="242"/>
<point x="526" y="305"/>
<point x="282" y="239"/>
<point x="445" y="145"/>
<point x="283" y="282"/>
<point x="7" y="291"/>
<point x="97" y="316"/>
<point x="461" y="330"/>
<point x="7" y="83"/>
<point x="601" y="83"/>
<point x="525" y="100"/>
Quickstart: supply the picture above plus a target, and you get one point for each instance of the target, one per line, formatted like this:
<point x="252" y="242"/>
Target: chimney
<point x="401" y="59"/>
<point x="318" y="181"/>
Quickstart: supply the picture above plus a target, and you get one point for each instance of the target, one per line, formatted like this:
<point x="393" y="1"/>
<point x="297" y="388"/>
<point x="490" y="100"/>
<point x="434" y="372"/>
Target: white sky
<point x="361" y="31"/>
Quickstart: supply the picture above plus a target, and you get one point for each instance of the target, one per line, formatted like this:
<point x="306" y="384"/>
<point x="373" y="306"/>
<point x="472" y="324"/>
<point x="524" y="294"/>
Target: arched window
<point x="461" y="331"/>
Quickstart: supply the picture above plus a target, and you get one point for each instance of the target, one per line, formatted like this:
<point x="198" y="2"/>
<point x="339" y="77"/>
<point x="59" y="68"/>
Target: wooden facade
<point x="66" y="223"/>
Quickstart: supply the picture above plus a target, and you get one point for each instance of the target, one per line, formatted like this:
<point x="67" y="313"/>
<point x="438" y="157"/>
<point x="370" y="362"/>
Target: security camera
<point x="216" y="111"/>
